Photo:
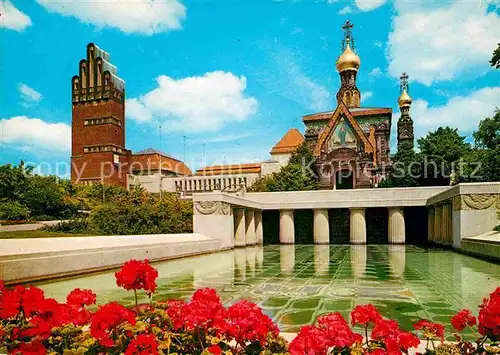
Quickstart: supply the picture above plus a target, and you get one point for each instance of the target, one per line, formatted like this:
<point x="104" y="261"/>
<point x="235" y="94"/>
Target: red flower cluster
<point x="243" y="321"/>
<point x="41" y="316"/>
<point x="430" y="330"/>
<point x="463" y="319"/>
<point x="333" y="332"/>
<point x="365" y="315"/>
<point x="395" y="340"/>
<point x="81" y="298"/>
<point x="489" y="316"/>
<point x="137" y="275"/>
<point x="106" y="319"/>
<point x="143" y="344"/>
<point x="247" y="323"/>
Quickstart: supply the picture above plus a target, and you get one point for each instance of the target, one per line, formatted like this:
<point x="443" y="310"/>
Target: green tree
<point x="13" y="181"/>
<point x="495" y="60"/>
<point x="45" y="197"/>
<point x="487" y="144"/>
<point x="406" y="168"/>
<point x="298" y="175"/>
<point x="440" y="152"/>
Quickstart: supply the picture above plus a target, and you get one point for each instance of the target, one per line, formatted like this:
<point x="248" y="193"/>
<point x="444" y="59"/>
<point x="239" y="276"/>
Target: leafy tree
<point x="440" y="151"/>
<point x="13" y="180"/>
<point x="45" y="198"/>
<point x="487" y="142"/>
<point x="407" y="168"/>
<point x="487" y="135"/>
<point x="495" y="60"/>
<point x="298" y="175"/>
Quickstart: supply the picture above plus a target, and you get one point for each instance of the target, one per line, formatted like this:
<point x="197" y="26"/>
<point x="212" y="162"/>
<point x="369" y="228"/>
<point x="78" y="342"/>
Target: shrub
<point x="13" y="211"/>
<point x="77" y="226"/>
<point x="139" y="213"/>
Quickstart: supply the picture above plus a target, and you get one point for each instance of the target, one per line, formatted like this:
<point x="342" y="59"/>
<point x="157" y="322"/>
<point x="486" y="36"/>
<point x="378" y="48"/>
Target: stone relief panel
<point x="212" y="207"/>
<point x="476" y="202"/>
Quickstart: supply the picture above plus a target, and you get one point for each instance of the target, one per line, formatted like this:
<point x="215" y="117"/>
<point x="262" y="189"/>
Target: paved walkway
<point x="28" y="227"/>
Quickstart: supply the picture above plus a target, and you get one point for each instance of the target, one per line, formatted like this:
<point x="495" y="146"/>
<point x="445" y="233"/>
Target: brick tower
<point x="98" y="152"/>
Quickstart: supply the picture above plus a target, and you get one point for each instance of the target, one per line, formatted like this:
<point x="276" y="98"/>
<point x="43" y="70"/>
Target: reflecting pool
<point x="296" y="283"/>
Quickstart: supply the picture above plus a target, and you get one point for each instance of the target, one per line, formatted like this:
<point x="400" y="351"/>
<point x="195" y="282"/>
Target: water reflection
<point x="358" y="260"/>
<point x="321" y="259"/>
<point x="397" y="259"/>
<point x="287" y="258"/>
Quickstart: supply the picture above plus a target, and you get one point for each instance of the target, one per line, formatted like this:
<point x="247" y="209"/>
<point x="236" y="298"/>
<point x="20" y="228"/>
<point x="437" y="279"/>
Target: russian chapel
<point x="351" y="143"/>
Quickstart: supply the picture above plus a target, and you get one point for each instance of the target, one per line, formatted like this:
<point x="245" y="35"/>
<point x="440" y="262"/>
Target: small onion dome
<point x="348" y="60"/>
<point x="404" y="99"/>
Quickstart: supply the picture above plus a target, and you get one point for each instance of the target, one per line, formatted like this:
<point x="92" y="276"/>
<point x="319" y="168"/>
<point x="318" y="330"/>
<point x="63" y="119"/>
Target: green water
<point x="295" y="284"/>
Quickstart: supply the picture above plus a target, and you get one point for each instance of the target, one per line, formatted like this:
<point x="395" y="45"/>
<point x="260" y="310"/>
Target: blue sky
<point x="231" y="77"/>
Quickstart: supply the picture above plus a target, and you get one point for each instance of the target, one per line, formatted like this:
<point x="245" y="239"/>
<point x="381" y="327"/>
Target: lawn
<point x="36" y="234"/>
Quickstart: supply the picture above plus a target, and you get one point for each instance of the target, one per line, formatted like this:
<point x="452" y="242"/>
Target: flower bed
<point x="30" y="323"/>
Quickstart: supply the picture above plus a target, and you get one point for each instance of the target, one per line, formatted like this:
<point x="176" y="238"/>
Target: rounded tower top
<point x="348" y="60"/>
<point x="404" y="99"/>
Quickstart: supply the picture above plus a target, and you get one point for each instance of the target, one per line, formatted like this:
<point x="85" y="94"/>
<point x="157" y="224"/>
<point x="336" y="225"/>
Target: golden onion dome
<point x="348" y="60"/>
<point x="404" y="99"/>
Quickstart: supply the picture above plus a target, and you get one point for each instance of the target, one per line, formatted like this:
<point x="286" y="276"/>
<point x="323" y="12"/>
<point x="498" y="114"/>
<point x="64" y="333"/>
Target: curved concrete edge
<point x="40" y="266"/>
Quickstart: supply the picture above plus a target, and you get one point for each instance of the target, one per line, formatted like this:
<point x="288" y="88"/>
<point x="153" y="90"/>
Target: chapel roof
<point x="289" y="142"/>
<point x="355" y="111"/>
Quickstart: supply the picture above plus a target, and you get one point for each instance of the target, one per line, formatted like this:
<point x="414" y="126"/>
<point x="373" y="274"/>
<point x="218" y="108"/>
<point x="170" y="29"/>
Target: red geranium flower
<point x="462" y="319"/>
<point x="215" y="349"/>
<point x="365" y="314"/>
<point x="106" y="319"/>
<point x="81" y="298"/>
<point x="337" y="330"/>
<point x="137" y="275"/>
<point x="310" y="340"/>
<point x="430" y="330"/>
<point x="143" y="344"/>
<point x="32" y="348"/>
<point x="489" y="316"/>
<point x="205" y="311"/>
<point x="247" y="323"/>
<point x="175" y="312"/>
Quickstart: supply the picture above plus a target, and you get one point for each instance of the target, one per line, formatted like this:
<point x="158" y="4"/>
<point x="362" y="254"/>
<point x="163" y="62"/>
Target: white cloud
<point x="34" y="133"/>
<point x="130" y="16"/>
<point x="375" y="72"/>
<point x="462" y="112"/>
<point x="29" y="95"/>
<point x="345" y="10"/>
<point x="369" y="5"/>
<point x="366" y="95"/>
<point x="441" y="43"/>
<point x="200" y="103"/>
<point x="12" y="18"/>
